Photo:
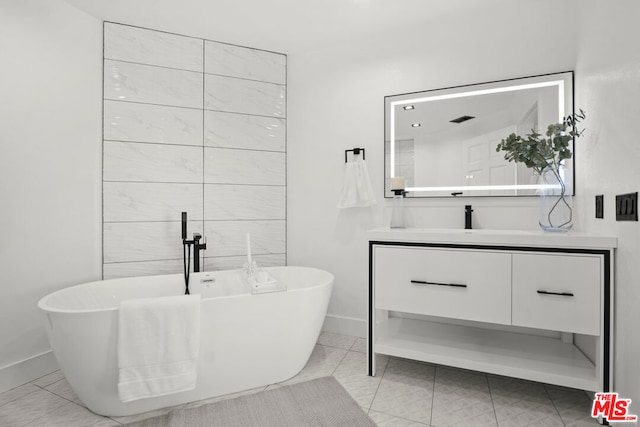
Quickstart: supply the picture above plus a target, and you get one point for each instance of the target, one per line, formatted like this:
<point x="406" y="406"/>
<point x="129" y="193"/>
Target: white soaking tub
<point x="247" y="340"/>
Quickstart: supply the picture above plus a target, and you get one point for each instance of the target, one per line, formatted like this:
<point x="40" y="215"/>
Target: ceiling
<point x="284" y="26"/>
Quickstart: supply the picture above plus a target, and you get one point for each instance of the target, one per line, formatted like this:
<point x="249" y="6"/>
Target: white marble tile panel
<point x="233" y="202"/>
<point x="244" y="62"/>
<point x="132" y="161"/>
<point x="124" y="81"/>
<point x="145" y="241"/>
<point x="233" y="130"/>
<point x="229" y="238"/>
<point x="228" y="166"/>
<point x="141" y="201"/>
<point x="141" y="45"/>
<point x="131" y="121"/>
<point x="143" y="268"/>
<point x="234" y="262"/>
<point x="244" y="96"/>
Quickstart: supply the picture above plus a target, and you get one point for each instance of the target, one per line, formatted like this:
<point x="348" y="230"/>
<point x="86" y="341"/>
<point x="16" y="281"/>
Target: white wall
<point x="50" y="162"/>
<point x="336" y="103"/>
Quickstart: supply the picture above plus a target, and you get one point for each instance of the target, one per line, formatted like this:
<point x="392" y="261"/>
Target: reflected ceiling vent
<point x="462" y="119"/>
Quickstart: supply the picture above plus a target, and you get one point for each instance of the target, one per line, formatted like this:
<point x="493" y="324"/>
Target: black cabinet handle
<point x="422" y="282"/>
<point x="562" y="294"/>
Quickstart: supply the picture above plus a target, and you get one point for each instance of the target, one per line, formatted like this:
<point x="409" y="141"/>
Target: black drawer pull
<point x="562" y="294"/>
<point x="422" y="282"/>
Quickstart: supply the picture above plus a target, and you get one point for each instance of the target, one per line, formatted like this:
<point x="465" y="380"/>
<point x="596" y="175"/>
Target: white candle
<point x="249" y="249"/>
<point x="397" y="183"/>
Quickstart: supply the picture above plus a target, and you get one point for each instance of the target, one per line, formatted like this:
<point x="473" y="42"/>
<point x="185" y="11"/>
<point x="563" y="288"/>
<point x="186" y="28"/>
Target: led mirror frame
<point x="564" y="81"/>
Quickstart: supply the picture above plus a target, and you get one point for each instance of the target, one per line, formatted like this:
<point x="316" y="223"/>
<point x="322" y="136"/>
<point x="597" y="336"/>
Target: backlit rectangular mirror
<point x="443" y="141"/>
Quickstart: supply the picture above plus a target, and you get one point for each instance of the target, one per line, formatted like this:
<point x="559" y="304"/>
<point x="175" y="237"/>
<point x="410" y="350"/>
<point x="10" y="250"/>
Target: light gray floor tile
<point x="386" y="420"/>
<point x="63" y="389"/>
<point x="527" y="413"/>
<point x="225" y="397"/>
<point x="404" y="393"/>
<point x="42" y="408"/>
<point x="336" y="340"/>
<point x="360" y="345"/>
<point x="584" y="422"/>
<point x="507" y="390"/>
<point x="17" y="393"/>
<point x="352" y="374"/>
<point x="461" y="398"/>
<point x="520" y="403"/>
<point x="574" y="406"/>
<point x="323" y="361"/>
<point x="406" y="390"/>
<point x="48" y="379"/>
<point x="145" y="415"/>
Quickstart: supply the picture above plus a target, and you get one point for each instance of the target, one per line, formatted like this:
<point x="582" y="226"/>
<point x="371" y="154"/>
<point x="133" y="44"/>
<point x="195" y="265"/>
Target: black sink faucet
<point x="467" y="217"/>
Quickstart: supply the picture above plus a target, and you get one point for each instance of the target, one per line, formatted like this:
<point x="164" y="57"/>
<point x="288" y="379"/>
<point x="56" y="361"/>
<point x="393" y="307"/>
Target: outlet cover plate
<point x="627" y="207"/>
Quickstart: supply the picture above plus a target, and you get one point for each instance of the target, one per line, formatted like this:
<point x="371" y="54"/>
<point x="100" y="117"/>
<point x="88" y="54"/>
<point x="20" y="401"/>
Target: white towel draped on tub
<point x="158" y="345"/>
<point x="356" y="188"/>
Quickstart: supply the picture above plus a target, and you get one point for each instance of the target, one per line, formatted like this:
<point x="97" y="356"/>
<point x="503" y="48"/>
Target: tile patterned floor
<point x="405" y="393"/>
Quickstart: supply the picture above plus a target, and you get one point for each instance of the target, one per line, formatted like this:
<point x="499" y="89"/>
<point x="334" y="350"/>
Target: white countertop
<point x="493" y="237"/>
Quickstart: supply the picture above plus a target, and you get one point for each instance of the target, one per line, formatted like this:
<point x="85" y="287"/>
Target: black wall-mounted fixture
<point x="356" y="151"/>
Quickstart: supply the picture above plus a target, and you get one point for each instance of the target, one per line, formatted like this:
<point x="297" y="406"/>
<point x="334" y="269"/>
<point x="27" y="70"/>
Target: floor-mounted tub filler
<point x="247" y="339"/>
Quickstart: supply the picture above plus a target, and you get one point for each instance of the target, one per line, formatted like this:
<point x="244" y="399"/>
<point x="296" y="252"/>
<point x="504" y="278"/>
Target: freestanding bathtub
<point x="247" y="340"/>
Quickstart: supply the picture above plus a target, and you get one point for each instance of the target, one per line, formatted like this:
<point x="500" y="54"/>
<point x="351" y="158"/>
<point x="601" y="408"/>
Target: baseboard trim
<point x="19" y="373"/>
<point x="345" y="325"/>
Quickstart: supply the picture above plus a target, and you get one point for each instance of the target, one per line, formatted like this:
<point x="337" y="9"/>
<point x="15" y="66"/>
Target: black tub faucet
<point x="186" y="252"/>
<point x="197" y="247"/>
<point x="467" y="217"/>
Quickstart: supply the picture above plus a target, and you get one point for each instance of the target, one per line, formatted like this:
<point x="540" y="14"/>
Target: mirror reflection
<point x="443" y="142"/>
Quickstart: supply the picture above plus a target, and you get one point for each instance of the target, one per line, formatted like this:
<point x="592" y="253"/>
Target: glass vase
<point x="555" y="201"/>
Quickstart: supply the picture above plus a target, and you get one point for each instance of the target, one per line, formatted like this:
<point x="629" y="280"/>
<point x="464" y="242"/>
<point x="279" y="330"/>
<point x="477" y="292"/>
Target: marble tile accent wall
<point x="191" y="125"/>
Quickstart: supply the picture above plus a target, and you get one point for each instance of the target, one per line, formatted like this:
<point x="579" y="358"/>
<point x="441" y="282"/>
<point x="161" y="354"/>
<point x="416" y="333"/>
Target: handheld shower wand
<point x="186" y="258"/>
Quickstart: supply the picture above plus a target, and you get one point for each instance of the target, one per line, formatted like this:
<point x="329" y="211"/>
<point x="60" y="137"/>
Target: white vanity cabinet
<point x="530" y="305"/>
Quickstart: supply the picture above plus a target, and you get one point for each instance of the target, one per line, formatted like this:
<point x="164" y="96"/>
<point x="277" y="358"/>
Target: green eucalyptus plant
<point x="538" y="151"/>
<point x="547" y="153"/>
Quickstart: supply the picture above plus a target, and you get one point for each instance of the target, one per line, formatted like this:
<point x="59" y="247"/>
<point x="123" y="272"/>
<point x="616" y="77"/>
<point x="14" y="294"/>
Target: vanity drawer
<point x="461" y="284"/>
<point x="557" y="292"/>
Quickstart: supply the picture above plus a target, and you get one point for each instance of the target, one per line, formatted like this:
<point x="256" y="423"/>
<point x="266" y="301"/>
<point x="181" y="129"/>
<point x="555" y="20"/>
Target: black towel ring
<point x="356" y="151"/>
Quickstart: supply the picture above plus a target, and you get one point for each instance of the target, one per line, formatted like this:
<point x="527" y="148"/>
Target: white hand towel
<point x="158" y="345"/>
<point x="356" y="188"/>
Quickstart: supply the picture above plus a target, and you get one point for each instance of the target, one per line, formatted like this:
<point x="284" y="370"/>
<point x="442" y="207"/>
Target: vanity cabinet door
<point x="460" y="284"/>
<point x="557" y="292"/>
